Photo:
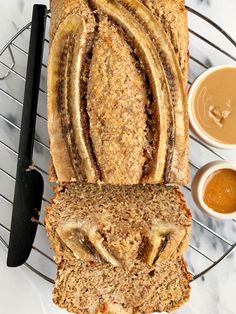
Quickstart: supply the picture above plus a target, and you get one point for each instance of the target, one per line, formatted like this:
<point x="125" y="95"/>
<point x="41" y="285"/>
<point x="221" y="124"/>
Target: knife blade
<point x="29" y="182"/>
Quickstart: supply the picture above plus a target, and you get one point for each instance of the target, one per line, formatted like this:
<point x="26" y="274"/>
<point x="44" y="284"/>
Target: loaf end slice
<point x="119" y="249"/>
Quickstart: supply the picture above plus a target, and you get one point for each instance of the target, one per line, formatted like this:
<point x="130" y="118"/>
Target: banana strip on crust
<point x="66" y="124"/>
<point x="176" y="159"/>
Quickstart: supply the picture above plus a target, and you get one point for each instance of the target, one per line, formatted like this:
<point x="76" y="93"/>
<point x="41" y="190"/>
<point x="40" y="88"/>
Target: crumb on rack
<point x="31" y="167"/>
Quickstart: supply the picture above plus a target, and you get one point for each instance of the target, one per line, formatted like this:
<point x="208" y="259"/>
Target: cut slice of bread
<point x="119" y="248"/>
<point x="83" y="289"/>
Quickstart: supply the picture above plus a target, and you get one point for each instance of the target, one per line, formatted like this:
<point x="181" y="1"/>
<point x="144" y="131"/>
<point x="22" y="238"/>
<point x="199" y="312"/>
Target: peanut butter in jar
<point x="212" y="106"/>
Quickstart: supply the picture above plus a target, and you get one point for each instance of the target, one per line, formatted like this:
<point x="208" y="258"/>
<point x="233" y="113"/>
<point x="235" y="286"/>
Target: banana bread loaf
<point x="117" y="78"/>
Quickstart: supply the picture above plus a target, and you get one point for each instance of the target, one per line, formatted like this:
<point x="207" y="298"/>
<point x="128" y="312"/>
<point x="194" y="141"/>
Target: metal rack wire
<point x="10" y="66"/>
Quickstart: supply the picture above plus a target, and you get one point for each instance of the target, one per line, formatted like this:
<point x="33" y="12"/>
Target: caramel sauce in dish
<point x="214" y="105"/>
<point x="220" y="191"/>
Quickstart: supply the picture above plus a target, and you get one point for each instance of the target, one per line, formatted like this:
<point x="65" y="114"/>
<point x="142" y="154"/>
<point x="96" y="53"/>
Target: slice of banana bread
<point x="84" y="289"/>
<point x="119" y="248"/>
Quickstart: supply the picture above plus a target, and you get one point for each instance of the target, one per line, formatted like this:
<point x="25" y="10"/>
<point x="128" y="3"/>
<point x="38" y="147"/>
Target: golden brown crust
<point x="173" y="15"/>
<point x="62" y="8"/>
<point x="52" y="172"/>
<point x="107" y="79"/>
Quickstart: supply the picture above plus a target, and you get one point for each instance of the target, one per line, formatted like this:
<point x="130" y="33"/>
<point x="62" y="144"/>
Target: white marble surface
<point x="21" y="291"/>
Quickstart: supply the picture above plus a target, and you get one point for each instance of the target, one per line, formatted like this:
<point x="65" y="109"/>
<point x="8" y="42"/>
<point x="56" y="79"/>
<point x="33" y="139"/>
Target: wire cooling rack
<point x="13" y="60"/>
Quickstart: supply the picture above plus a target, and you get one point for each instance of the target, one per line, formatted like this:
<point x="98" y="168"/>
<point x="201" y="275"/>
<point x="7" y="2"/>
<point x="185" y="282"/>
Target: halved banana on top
<point x="84" y="240"/>
<point x="67" y="126"/>
<point x="163" y="240"/>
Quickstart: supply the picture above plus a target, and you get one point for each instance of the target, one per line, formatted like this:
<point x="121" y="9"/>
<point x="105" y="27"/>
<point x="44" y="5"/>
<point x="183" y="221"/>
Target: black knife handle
<point x="32" y="86"/>
<point x="29" y="183"/>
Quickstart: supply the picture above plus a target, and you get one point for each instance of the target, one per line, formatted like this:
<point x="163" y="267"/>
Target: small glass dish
<point x="198" y="130"/>
<point x="198" y="186"/>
